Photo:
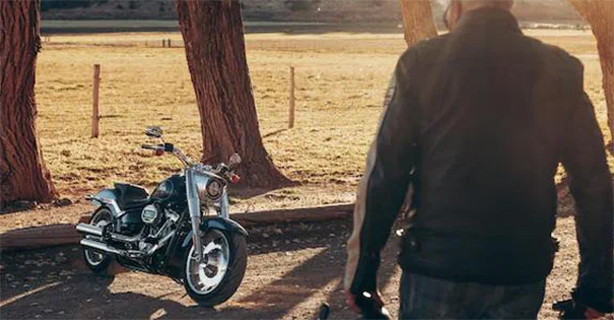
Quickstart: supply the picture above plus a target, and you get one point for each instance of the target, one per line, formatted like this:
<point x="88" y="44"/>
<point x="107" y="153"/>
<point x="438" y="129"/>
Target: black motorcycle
<point x="182" y="230"/>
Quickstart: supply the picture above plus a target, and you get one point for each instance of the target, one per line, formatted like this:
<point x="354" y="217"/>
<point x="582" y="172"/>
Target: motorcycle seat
<point x="131" y="196"/>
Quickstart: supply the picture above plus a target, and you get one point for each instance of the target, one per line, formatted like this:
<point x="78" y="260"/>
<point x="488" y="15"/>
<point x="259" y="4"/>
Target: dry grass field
<point x="340" y="80"/>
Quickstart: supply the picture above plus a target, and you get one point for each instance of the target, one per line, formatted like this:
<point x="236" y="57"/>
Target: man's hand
<point x="591" y="314"/>
<point x="368" y="304"/>
<point x="570" y="309"/>
<point x="351" y="300"/>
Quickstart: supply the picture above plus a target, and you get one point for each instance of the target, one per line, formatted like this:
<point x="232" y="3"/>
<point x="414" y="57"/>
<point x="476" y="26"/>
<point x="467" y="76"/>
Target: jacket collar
<point x="490" y="18"/>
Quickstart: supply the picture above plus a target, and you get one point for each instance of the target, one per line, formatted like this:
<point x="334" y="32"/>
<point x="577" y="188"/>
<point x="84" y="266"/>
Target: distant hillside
<point x="332" y="11"/>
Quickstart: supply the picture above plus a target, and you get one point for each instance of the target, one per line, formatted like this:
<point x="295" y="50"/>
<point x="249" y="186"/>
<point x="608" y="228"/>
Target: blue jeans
<point x="430" y="298"/>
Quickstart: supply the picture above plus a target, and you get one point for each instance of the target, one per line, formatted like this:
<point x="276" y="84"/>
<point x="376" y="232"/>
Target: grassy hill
<point x="331" y="11"/>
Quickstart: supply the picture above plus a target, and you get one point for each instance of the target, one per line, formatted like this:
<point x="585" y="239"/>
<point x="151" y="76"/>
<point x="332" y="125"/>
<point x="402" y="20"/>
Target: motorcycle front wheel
<point x="218" y="276"/>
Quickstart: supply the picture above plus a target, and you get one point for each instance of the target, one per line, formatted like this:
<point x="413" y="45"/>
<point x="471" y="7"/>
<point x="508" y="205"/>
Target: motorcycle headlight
<point x="214" y="189"/>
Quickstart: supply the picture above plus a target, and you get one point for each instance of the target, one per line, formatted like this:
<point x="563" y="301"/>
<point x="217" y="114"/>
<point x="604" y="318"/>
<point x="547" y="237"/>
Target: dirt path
<point x="291" y="270"/>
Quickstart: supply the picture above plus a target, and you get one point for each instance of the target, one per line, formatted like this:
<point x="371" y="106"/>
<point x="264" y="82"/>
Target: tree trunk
<point x="23" y="175"/>
<point x="215" y="50"/>
<point x="600" y="15"/>
<point x="417" y="20"/>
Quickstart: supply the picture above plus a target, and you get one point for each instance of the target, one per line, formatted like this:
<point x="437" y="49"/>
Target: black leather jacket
<point x="479" y="121"/>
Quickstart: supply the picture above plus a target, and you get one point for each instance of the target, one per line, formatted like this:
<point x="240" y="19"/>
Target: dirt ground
<point x="292" y="269"/>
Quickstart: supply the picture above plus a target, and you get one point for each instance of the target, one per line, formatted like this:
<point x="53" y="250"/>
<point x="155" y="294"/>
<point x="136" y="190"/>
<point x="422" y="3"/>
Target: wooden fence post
<point x="169" y="43"/>
<point x="95" y="113"/>
<point x="163" y="43"/>
<point x="291" y="104"/>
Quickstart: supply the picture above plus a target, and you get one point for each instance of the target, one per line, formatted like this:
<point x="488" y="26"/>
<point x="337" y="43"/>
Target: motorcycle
<point x="181" y="230"/>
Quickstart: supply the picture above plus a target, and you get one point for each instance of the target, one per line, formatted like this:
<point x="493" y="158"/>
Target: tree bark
<point x="23" y="175"/>
<point x="215" y="50"/>
<point x="417" y="20"/>
<point x="600" y="15"/>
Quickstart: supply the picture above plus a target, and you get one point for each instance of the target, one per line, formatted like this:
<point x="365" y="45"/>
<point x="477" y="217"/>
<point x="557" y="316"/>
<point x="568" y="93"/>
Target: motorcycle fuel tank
<point x="171" y="189"/>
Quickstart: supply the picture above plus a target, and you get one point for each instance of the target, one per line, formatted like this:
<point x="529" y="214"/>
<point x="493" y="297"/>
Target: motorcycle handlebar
<point x="150" y="147"/>
<point x="170" y="148"/>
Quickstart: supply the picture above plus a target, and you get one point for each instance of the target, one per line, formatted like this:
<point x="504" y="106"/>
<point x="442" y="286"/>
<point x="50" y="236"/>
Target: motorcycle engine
<point x="159" y="223"/>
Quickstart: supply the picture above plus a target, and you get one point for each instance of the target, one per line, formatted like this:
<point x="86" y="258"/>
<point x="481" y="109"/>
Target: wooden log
<point x="66" y="234"/>
<point x="95" y="96"/>
<point x="310" y="214"/>
<point x="39" y="237"/>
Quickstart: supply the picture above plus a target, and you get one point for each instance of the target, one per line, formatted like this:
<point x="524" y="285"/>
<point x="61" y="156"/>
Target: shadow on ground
<point x="292" y="270"/>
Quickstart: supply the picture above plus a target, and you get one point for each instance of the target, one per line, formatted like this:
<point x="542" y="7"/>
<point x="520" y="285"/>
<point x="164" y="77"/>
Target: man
<point x="479" y="120"/>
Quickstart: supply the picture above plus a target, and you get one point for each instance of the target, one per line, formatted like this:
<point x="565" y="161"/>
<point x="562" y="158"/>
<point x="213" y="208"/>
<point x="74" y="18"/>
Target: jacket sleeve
<point x="384" y="185"/>
<point x="584" y="160"/>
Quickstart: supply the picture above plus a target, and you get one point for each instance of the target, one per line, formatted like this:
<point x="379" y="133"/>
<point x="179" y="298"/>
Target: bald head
<point x="456" y="8"/>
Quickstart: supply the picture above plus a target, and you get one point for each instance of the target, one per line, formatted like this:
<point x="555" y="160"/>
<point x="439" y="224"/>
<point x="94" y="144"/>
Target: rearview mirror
<point x="234" y="160"/>
<point x="153" y="131"/>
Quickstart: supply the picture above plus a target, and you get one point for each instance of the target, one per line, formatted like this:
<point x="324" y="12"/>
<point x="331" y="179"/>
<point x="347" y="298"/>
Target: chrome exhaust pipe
<point x="99" y="246"/>
<point x="89" y="229"/>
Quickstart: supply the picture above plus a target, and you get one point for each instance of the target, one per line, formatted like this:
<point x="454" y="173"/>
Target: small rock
<point x="88" y="300"/>
<point x="38" y="316"/>
<point x="265" y="235"/>
<point x="9" y="277"/>
<point x="48" y="311"/>
<point x="33" y="304"/>
<point x="61" y="312"/>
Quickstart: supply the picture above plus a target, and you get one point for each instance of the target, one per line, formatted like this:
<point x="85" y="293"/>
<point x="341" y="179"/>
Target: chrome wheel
<point x="93" y="257"/>
<point x="205" y="276"/>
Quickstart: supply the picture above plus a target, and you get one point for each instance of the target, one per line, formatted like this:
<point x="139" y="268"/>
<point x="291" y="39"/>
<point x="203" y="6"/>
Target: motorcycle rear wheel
<point x="96" y="261"/>
<point x="216" y="279"/>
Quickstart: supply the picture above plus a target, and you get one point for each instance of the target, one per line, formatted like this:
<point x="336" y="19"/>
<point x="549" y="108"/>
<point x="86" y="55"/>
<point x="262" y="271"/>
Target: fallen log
<point x="65" y="234"/>
<point x="39" y="237"/>
<point x="310" y="214"/>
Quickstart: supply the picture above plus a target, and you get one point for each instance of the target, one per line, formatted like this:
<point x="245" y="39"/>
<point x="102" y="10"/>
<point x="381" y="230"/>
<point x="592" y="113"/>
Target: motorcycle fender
<point x="108" y="198"/>
<point x="217" y="223"/>
<point x="175" y="262"/>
